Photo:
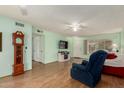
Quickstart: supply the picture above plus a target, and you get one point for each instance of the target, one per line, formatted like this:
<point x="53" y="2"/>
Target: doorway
<point x="38" y="48"/>
<point x="77" y="48"/>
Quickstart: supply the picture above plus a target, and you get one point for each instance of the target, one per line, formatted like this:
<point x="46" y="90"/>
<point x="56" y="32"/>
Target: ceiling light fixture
<point x="75" y="26"/>
<point x="74" y="29"/>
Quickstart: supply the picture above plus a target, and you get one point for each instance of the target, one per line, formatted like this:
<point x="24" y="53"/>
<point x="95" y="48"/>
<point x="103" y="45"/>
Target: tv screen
<point x="63" y="44"/>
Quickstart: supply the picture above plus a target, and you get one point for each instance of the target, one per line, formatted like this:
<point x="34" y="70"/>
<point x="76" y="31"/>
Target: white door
<point x="37" y="48"/>
<point x="77" y="48"/>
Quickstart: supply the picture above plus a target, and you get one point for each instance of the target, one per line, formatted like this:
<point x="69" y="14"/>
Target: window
<point x="93" y="45"/>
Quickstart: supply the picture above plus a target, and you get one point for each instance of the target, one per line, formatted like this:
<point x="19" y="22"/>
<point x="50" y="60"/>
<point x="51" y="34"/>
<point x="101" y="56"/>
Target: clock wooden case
<point x="18" y="42"/>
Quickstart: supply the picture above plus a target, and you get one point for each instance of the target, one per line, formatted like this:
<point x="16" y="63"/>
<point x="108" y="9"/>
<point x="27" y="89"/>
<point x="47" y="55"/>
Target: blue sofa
<point x="89" y="73"/>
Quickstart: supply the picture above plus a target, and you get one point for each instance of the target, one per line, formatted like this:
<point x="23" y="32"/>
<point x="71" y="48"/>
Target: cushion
<point x="111" y="56"/>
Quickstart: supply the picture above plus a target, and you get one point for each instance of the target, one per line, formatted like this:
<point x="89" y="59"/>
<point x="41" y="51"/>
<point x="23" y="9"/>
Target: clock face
<point x="18" y="40"/>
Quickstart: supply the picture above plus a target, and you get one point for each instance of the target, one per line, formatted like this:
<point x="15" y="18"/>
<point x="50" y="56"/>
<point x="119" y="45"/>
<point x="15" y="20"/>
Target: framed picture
<point x="0" y="41"/>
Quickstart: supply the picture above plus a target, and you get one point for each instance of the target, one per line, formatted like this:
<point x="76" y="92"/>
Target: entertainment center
<point x="63" y="54"/>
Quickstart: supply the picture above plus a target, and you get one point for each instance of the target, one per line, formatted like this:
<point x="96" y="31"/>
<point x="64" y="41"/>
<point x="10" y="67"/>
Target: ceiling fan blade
<point x="69" y="28"/>
<point x="83" y="25"/>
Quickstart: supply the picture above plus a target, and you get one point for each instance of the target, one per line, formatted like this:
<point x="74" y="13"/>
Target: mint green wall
<point x="70" y="45"/>
<point x="51" y="46"/>
<point x="7" y="27"/>
<point x="115" y="37"/>
<point x="51" y="41"/>
<point x="122" y="41"/>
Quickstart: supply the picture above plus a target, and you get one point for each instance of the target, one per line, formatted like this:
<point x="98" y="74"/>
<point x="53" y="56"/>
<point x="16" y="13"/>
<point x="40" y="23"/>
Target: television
<point x="63" y="44"/>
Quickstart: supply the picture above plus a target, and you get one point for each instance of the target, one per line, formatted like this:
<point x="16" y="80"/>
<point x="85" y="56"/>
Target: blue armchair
<point x="89" y="73"/>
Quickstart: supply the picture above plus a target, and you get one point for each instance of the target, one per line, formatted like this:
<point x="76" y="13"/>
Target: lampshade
<point x="114" y="46"/>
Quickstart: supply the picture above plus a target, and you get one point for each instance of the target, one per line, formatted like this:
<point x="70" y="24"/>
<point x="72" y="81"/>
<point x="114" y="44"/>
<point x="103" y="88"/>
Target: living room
<point x="52" y="43"/>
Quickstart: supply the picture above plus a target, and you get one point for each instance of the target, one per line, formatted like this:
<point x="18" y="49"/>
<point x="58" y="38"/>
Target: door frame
<point x="43" y="49"/>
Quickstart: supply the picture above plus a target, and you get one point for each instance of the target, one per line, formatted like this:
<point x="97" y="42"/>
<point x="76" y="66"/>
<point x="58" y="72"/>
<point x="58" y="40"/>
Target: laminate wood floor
<point x="55" y="75"/>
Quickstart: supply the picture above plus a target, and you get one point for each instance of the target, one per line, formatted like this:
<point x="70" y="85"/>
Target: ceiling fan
<point x="75" y="26"/>
<point x="23" y="9"/>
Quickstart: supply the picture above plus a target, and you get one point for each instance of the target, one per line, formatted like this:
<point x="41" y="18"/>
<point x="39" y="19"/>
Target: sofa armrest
<point x="84" y="62"/>
<point x="78" y="66"/>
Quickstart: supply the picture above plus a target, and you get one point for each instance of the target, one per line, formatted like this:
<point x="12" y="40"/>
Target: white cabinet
<point x="63" y="56"/>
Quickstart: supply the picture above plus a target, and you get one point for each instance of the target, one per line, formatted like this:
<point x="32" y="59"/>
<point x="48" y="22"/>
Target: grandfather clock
<point x="18" y="42"/>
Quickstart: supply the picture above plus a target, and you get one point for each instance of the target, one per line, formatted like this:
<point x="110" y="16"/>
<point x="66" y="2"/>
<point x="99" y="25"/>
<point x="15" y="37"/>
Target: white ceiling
<point x="99" y="19"/>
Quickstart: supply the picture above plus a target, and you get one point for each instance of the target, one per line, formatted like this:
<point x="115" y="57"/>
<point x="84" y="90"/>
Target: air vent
<point x="19" y="24"/>
<point x="39" y="31"/>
